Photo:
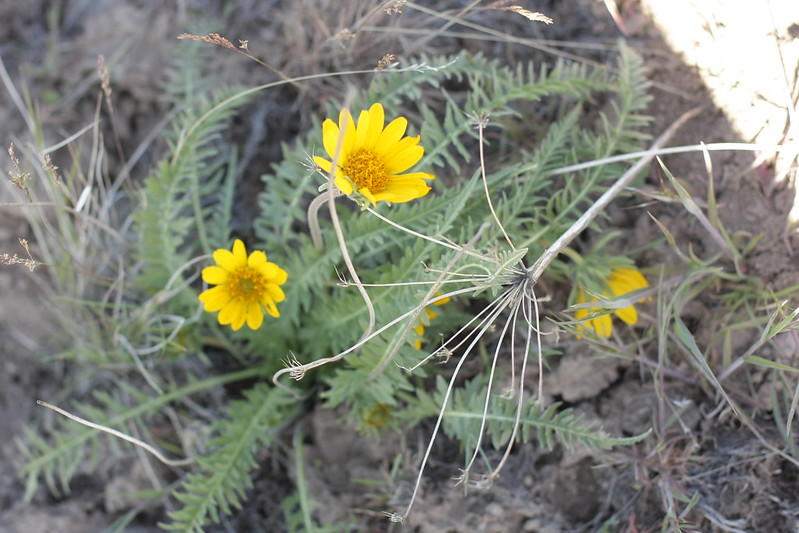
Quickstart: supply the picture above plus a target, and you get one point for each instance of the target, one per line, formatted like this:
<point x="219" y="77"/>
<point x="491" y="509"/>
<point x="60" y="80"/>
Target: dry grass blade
<point x="529" y="15"/>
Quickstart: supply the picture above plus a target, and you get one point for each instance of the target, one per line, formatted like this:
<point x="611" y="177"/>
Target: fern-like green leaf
<point x="462" y="419"/>
<point x="72" y="447"/>
<point x="220" y="480"/>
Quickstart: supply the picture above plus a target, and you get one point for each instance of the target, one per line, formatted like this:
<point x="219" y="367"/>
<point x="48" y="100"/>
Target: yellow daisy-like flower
<point x="371" y="158"/>
<point x="621" y="282"/>
<point x="430" y="316"/>
<point x="246" y="286"/>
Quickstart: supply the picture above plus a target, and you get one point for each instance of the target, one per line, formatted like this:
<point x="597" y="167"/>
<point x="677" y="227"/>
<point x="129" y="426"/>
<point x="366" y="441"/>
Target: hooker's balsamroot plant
<point x="500" y="148"/>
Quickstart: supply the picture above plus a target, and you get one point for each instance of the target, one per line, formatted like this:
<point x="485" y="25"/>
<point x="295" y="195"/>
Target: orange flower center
<point x="247" y="284"/>
<point x="367" y="170"/>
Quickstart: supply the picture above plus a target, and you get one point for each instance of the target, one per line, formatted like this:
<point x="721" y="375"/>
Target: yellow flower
<point x="621" y="282"/>
<point x="245" y="287"/>
<point x="371" y="158"/>
<point x="378" y="416"/>
<point x="430" y="316"/>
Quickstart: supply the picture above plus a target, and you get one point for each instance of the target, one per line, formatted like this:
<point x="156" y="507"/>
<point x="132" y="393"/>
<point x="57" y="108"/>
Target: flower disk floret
<point x="370" y="158"/>
<point x="246" y="286"/>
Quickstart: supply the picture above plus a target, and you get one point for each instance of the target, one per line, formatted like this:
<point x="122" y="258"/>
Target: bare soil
<point x="53" y="51"/>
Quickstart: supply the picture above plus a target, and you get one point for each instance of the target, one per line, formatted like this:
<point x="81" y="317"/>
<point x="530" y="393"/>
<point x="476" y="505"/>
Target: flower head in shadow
<point x="620" y="282"/>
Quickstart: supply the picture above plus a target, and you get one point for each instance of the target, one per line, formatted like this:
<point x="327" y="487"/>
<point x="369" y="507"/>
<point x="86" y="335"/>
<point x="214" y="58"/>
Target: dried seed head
<point x="385" y="61"/>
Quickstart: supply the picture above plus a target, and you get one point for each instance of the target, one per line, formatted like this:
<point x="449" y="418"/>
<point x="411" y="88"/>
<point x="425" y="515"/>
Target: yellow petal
<point x="369" y="196"/>
<point x="626" y="280"/>
<point x="215" y="298"/>
<point x="226" y="260"/>
<point x="398" y="197"/>
<point x="330" y="132"/>
<point x="343" y="184"/>
<point x="361" y="130"/>
<point x="280" y="277"/>
<point x="267" y="269"/>
<point x="442" y="301"/>
<point x="406" y="154"/>
<point x="270" y="307"/>
<point x="346" y="123"/>
<point x="420" y="332"/>
<point x="602" y="325"/>
<point x="391" y="135"/>
<point x="238" y="316"/>
<point x="232" y="314"/>
<point x="344" y="117"/>
<point x="240" y="252"/>
<point x="255" y="317"/>
<point x="412" y="179"/>
<point x="627" y="314"/>
<point x="401" y="190"/>
<point x="215" y="275"/>
<point x="582" y="312"/>
<point x="323" y="163"/>
<point x="275" y="293"/>
<point x="257" y="260"/>
<point x="377" y="119"/>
